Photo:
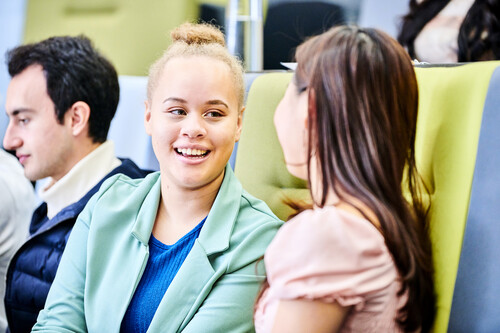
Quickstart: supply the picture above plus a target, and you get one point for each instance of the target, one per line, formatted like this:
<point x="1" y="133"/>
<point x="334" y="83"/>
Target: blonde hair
<point x="190" y="39"/>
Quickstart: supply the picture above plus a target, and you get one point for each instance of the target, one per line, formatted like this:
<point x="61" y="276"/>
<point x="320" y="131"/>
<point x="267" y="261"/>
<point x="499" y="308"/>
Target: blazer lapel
<point x="128" y="261"/>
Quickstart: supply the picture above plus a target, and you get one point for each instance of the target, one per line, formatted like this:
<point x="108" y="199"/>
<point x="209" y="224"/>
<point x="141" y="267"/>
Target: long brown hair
<point x="362" y="128"/>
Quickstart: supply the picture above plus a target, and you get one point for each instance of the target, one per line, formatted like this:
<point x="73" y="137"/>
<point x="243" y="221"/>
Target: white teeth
<point x="191" y="152"/>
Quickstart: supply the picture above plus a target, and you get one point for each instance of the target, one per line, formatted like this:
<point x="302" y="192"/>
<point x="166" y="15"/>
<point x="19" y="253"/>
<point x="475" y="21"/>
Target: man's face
<point x="42" y="144"/>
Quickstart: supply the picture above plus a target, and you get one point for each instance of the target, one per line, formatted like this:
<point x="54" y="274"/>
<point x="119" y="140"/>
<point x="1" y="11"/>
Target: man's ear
<point x="239" y="125"/>
<point x="78" y="116"/>
<point x="147" y="117"/>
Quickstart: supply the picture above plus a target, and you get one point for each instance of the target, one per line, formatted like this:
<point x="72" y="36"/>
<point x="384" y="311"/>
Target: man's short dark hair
<point x="74" y="71"/>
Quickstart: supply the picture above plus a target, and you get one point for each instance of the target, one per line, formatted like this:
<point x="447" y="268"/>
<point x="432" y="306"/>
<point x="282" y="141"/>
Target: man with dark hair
<point x="60" y="103"/>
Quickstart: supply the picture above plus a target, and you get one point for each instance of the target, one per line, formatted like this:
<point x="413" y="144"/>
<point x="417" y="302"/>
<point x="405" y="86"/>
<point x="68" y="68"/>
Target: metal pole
<point x="231" y="26"/>
<point x="256" y="36"/>
<point x="244" y="32"/>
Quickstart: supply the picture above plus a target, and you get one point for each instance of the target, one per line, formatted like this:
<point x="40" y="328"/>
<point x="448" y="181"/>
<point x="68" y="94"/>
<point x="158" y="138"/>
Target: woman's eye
<point x="178" y="112"/>
<point x="213" y="114"/>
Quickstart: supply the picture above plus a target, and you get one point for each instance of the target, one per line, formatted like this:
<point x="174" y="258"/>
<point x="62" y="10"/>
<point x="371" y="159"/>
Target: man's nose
<point x="11" y="141"/>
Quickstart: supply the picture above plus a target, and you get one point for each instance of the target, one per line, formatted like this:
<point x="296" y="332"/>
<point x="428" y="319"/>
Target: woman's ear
<point x="147" y="117"/>
<point x="239" y="124"/>
<point x="78" y="116"/>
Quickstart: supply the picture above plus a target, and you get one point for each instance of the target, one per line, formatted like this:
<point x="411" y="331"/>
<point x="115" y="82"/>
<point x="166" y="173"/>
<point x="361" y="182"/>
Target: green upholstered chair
<point x="449" y="121"/>
<point x="451" y="101"/>
<point x="476" y="293"/>
<point x="131" y="33"/>
<point x="259" y="161"/>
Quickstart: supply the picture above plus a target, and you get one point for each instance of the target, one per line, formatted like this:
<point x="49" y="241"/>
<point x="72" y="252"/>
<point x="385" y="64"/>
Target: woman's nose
<point x="194" y="126"/>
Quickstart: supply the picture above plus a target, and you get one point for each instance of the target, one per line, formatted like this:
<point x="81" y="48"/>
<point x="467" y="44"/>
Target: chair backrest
<point x="127" y="127"/>
<point x="450" y="111"/>
<point x="259" y="162"/>
<point x="451" y="101"/>
<point x="475" y="300"/>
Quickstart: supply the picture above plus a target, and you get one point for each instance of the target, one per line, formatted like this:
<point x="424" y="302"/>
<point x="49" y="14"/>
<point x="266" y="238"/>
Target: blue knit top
<point x="163" y="263"/>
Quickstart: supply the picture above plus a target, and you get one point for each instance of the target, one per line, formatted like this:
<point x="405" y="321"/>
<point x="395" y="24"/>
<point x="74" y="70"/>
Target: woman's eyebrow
<point x="216" y="102"/>
<point x="175" y="99"/>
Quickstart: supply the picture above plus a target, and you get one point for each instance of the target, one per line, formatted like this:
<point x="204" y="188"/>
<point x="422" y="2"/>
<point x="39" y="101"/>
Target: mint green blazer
<point x="213" y="291"/>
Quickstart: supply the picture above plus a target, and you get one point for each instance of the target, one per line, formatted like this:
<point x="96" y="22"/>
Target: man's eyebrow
<point x="16" y="112"/>
<point x="217" y="102"/>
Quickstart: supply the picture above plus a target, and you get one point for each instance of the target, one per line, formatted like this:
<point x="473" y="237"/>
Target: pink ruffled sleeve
<point x="329" y="255"/>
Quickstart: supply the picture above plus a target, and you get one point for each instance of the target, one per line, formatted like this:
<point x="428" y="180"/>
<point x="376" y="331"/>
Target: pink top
<point x="331" y="255"/>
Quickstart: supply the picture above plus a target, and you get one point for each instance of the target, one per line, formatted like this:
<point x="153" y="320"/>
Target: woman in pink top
<point x="359" y="260"/>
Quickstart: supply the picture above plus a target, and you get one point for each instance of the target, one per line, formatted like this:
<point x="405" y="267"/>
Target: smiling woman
<point x="178" y="250"/>
<point x="194" y="120"/>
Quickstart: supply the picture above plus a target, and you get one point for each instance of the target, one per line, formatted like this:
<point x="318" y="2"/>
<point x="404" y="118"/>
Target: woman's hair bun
<point x="190" y="33"/>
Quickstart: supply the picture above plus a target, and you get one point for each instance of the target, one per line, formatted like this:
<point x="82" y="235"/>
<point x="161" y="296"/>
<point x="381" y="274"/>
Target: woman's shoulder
<point x="120" y="194"/>
<point x="123" y="185"/>
<point x="236" y="203"/>
<point x="332" y="250"/>
<point x="253" y="220"/>
<point x="331" y="228"/>
<point x="253" y="207"/>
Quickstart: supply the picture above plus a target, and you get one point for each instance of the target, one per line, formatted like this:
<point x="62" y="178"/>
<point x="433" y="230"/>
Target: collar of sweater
<point x="80" y="179"/>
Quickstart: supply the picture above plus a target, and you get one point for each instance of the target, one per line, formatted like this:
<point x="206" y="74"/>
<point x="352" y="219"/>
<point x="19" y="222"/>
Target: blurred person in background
<point x="447" y="31"/>
<point x="17" y="202"/>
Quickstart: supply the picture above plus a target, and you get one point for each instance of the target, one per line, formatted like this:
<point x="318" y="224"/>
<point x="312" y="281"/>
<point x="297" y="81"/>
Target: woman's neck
<point x="181" y="209"/>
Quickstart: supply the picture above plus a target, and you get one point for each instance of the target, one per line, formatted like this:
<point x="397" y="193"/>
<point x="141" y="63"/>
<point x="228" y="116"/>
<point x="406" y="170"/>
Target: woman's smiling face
<point x="193" y="120"/>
